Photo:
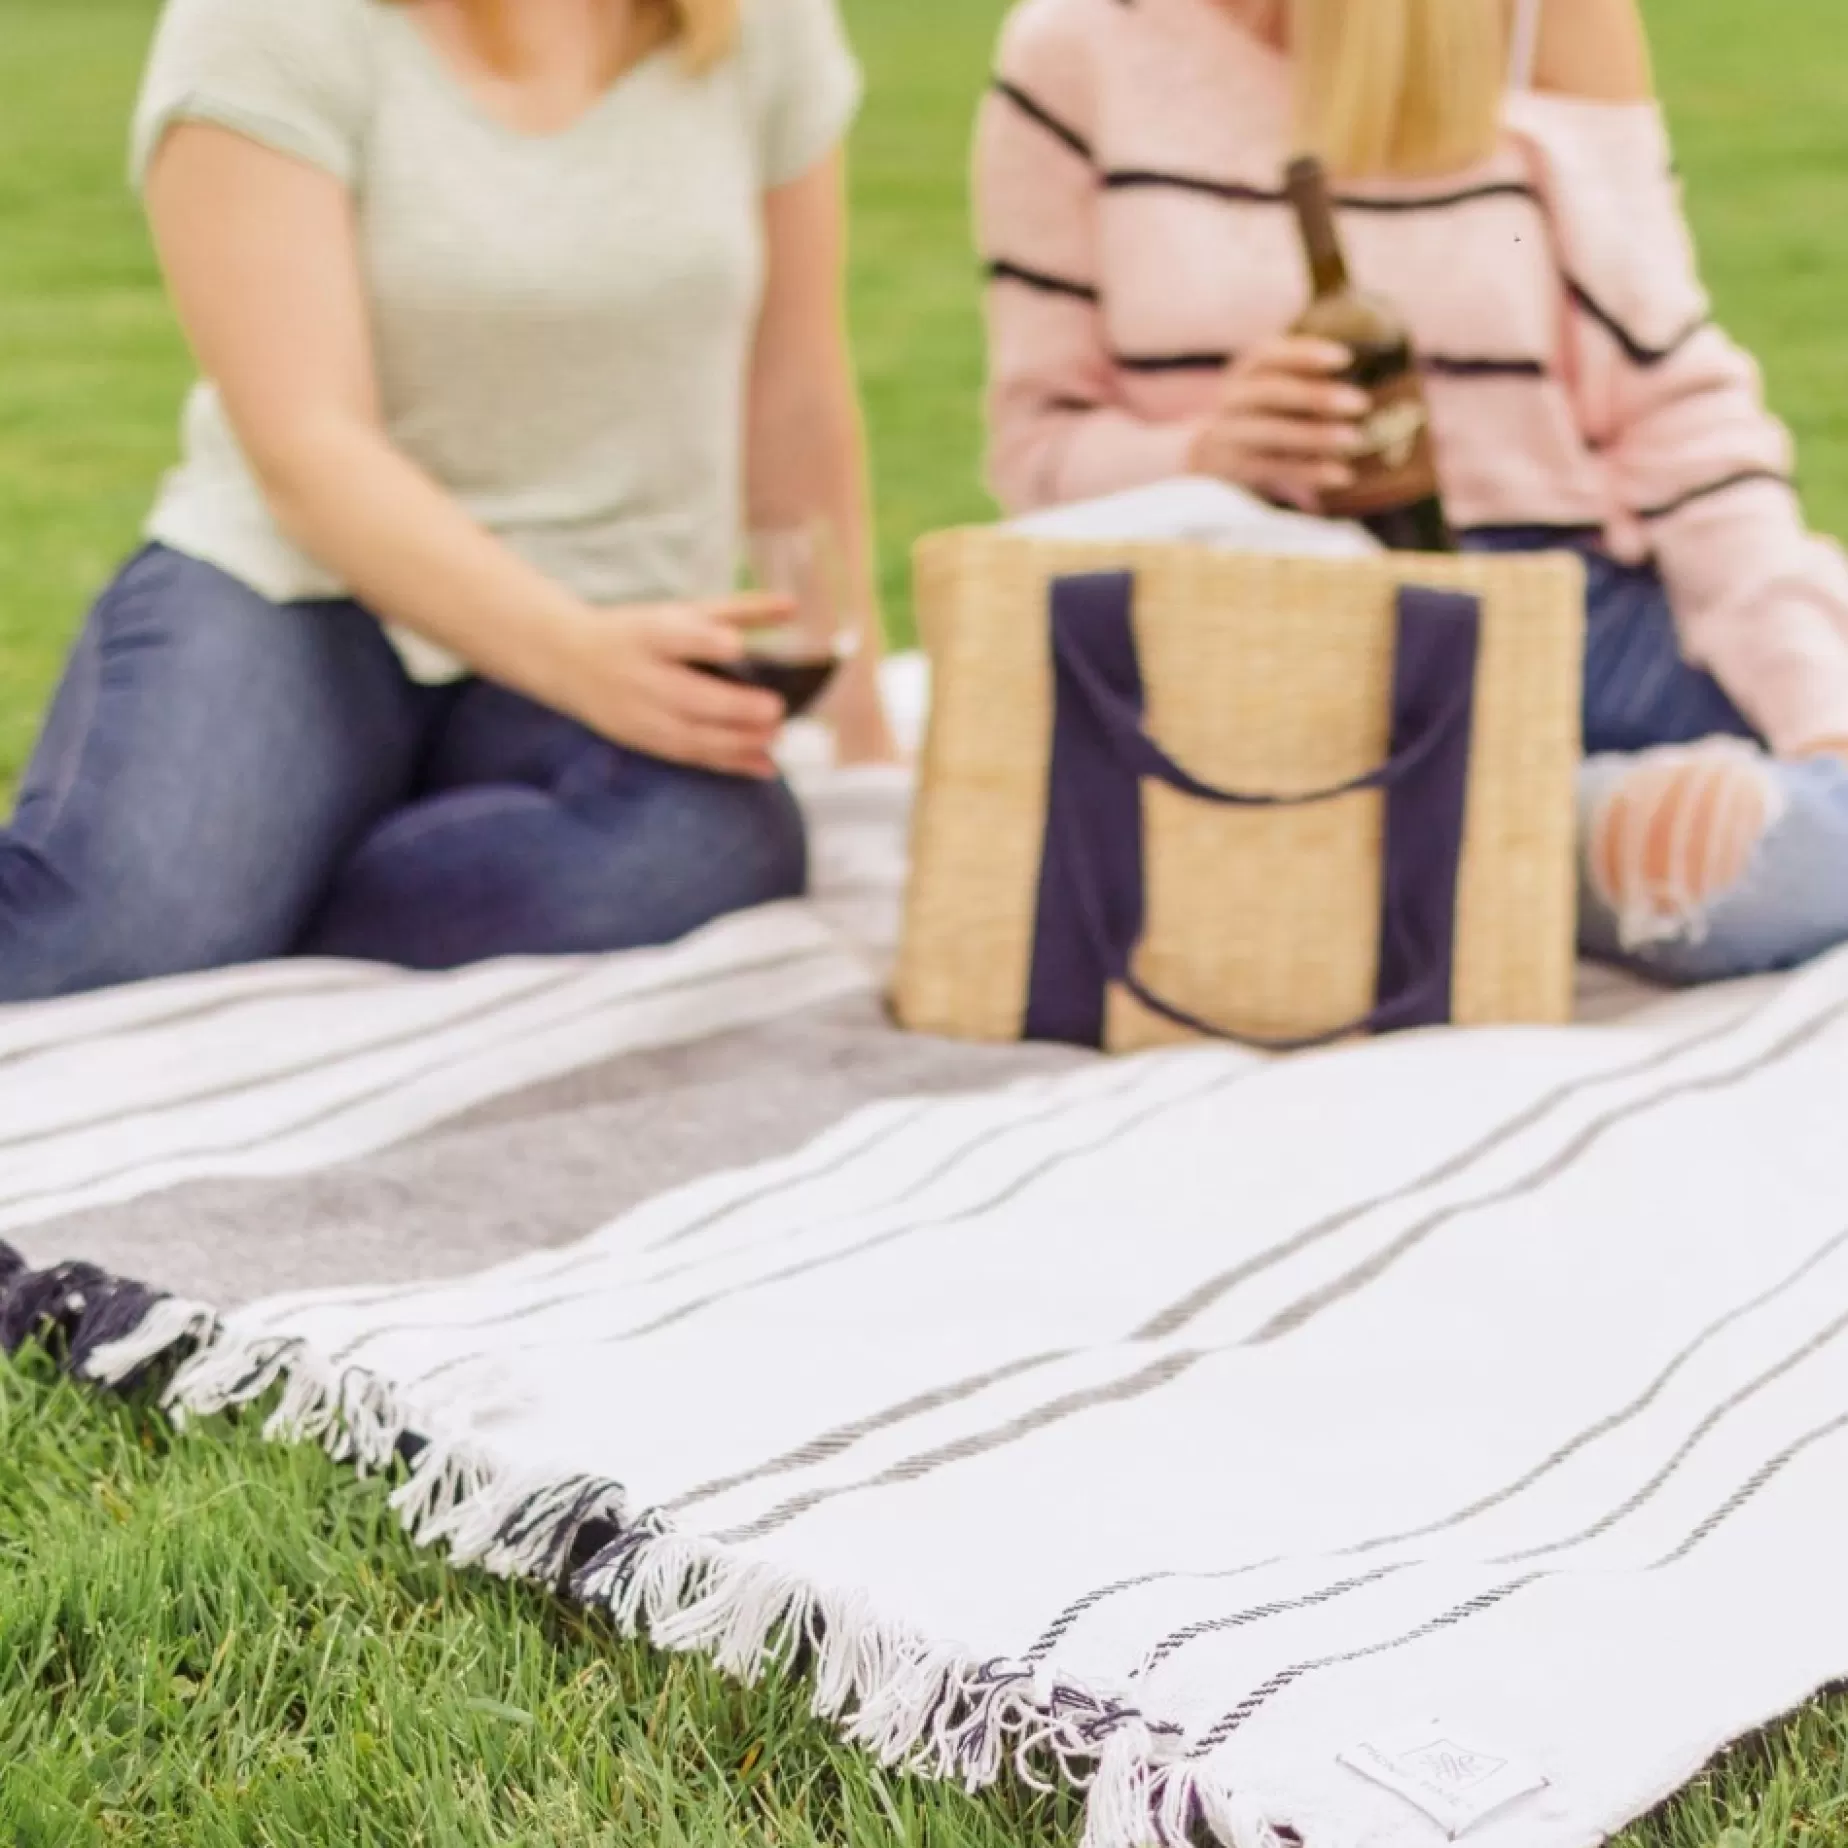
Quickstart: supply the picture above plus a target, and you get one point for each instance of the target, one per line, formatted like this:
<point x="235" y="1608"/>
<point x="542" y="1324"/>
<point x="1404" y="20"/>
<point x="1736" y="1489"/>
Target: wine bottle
<point x="1394" y="493"/>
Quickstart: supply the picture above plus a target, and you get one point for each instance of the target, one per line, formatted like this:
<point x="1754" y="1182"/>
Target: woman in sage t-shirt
<point x="509" y="314"/>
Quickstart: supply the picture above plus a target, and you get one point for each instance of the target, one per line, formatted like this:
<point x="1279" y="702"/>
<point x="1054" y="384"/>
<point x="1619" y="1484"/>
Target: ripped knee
<point x="1676" y="833"/>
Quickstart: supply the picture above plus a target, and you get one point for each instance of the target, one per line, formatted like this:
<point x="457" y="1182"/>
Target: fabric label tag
<point x="1455" y="1782"/>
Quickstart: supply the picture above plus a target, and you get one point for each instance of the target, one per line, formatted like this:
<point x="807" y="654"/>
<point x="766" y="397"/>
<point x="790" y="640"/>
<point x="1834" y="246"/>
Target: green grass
<point x="217" y="1644"/>
<point x="211" y="1641"/>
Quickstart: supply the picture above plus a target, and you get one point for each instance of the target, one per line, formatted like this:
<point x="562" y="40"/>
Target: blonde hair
<point x="704" y="30"/>
<point x="1398" y="87"/>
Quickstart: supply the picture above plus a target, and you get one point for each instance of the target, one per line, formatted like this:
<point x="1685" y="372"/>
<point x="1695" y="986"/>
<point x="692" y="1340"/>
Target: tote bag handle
<point x="1091" y="897"/>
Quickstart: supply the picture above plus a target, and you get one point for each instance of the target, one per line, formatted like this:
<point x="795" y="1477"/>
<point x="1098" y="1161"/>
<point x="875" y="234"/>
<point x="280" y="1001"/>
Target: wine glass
<point x="798" y="656"/>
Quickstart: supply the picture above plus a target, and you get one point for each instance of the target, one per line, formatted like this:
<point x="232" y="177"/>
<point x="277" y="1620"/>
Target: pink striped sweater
<point x="1127" y="180"/>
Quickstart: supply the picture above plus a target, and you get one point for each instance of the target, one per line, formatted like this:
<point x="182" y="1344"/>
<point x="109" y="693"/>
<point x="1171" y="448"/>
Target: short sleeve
<point x="291" y="74"/>
<point x="806" y="81"/>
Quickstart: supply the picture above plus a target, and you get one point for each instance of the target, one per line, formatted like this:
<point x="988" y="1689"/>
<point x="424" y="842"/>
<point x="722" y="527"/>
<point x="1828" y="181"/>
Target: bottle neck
<point x="1307" y="187"/>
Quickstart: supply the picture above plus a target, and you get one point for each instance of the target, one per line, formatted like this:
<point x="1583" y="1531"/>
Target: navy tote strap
<point x="1090" y="915"/>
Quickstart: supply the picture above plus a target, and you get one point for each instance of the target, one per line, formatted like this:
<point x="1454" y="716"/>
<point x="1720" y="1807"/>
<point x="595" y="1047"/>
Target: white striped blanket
<point x="1440" y="1436"/>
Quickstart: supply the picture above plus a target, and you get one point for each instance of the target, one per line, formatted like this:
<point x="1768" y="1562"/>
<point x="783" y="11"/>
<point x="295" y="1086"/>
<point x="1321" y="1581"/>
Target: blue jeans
<point x="222" y="780"/>
<point x="1791" y="903"/>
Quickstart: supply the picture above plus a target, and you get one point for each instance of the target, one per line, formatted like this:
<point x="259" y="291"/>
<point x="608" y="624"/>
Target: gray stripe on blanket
<point x="536" y="1169"/>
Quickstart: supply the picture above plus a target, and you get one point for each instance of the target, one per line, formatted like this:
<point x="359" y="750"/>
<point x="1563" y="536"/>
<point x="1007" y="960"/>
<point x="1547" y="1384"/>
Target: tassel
<point x="116" y="1353"/>
<point x="1121" y="1810"/>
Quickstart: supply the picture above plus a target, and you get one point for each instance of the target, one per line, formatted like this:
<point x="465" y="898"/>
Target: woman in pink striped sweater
<point x="1142" y="266"/>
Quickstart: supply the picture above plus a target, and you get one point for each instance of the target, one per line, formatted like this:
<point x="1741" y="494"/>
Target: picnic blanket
<point x="1430" y="1437"/>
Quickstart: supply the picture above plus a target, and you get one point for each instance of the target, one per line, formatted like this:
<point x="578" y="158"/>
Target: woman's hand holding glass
<point x="711" y="682"/>
<point x="639" y="675"/>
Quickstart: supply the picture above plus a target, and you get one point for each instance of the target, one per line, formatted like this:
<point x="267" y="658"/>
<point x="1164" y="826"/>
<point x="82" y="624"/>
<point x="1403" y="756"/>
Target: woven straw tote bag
<point x="1169" y="791"/>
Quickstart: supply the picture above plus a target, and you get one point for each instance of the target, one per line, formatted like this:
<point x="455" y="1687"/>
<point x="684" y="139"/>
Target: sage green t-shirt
<point x="562" y="322"/>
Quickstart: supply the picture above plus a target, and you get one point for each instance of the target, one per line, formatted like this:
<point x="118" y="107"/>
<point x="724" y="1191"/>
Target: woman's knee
<point x="745" y="838"/>
<point x="1713" y="861"/>
<point x="126" y="919"/>
<point x="208" y="759"/>
<point x="684" y="846"/>
<point x="644" y="856"/>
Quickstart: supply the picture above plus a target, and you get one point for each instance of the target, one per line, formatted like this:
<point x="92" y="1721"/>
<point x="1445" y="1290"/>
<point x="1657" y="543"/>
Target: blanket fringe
<point x="108" y="1329"/>
<point x="913" y="1703"/>
<point x="170" y="1326"/>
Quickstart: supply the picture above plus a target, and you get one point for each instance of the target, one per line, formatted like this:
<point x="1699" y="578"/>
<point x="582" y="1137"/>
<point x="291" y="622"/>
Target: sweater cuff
<point x="1111" y="451"/>
<point x="1788" y="672"/>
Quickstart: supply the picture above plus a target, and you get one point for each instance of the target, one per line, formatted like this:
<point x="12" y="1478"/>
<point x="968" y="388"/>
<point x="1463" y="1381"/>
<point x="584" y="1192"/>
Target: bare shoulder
<point x="1056" y="31"/>
<point x="1595" y="49"/>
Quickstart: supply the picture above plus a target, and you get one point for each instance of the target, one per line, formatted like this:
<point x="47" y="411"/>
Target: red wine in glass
<point x="795" y="659"/>
<point x="797" y="680"/>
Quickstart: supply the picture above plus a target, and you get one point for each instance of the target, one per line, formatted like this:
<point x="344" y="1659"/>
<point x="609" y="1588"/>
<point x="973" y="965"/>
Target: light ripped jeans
<point x="1791" y="901"/>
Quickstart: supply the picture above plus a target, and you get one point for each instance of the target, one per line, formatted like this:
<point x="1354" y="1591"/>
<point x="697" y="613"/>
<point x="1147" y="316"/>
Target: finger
<point x="1294" y="395"/>
<point x="681" y="740"/>
<point x="1298" y="353"/>
<point x="727" y="752"/>
<point x="1302" y="485"/>
<point x="709" y="631"/>
<point x="693" y="754"/>
<point x="1300" y="438"/>
<point x="1295" y="491"/>
<point x="678" y="632"/>
<point x="748" y="609"/>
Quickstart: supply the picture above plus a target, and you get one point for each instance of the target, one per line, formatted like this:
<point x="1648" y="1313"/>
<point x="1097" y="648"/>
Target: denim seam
<point x="62" y="787"/>
<point x="422" y="816"/>
<point x="93" y="637"/>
